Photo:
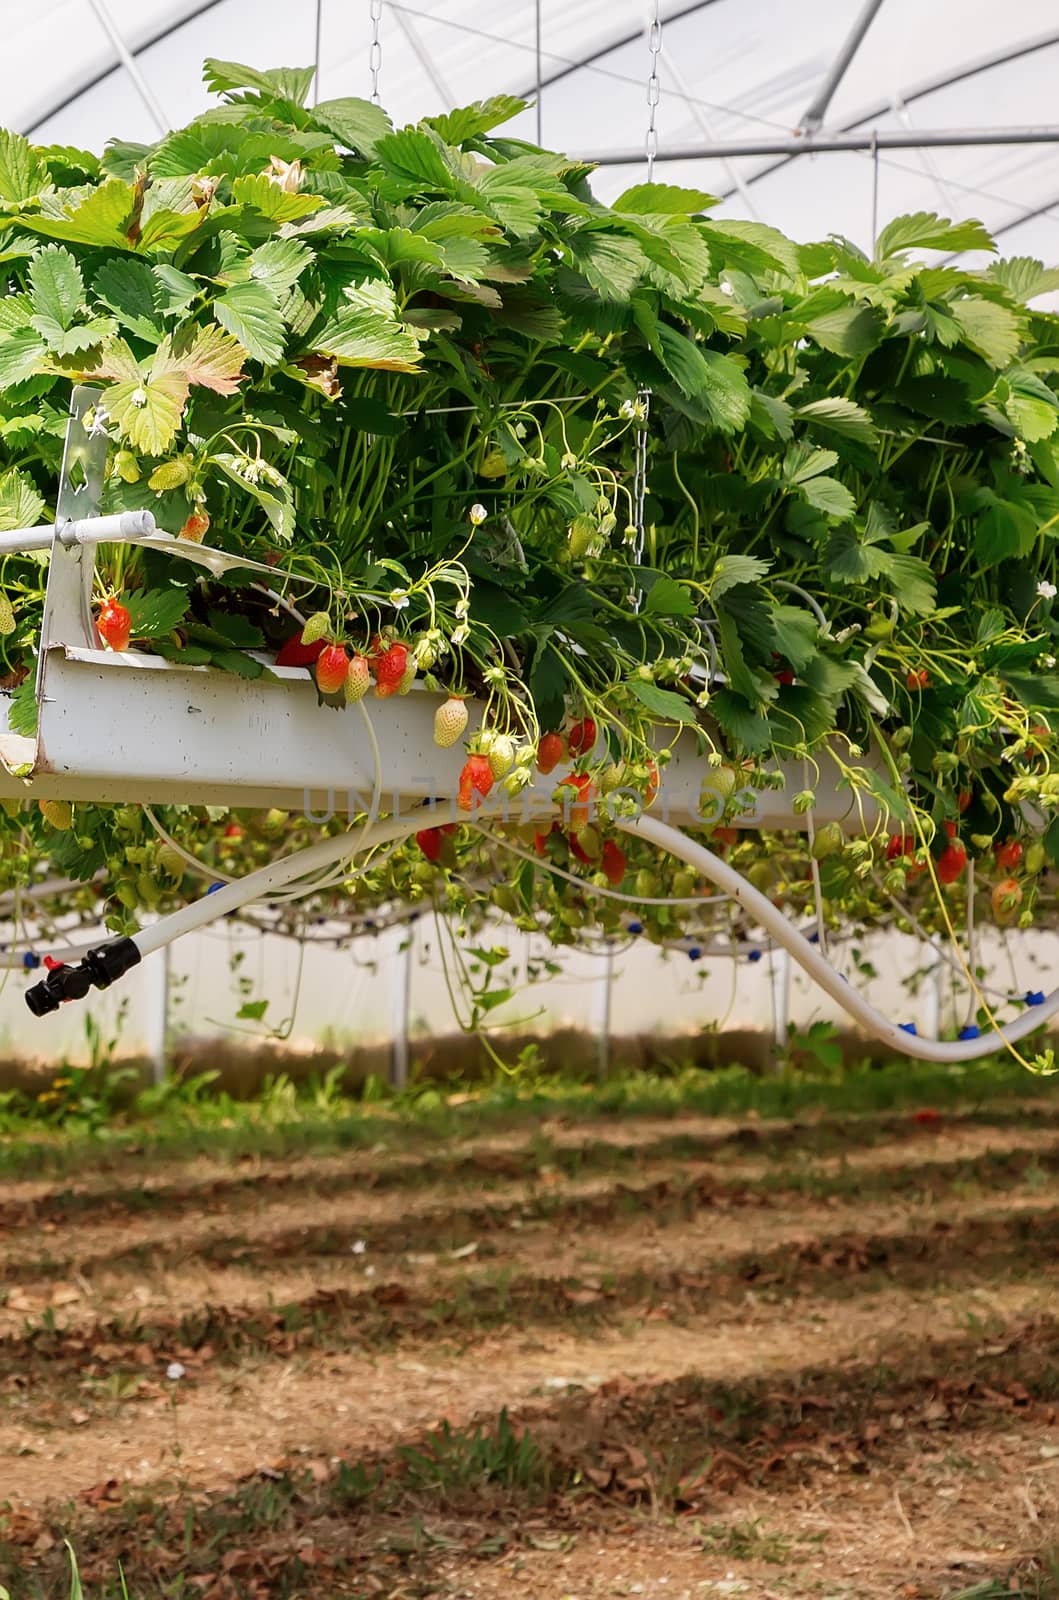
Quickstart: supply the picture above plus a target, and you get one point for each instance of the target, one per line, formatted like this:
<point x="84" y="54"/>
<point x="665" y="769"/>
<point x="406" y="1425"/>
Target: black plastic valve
<point x="99" y="969"/>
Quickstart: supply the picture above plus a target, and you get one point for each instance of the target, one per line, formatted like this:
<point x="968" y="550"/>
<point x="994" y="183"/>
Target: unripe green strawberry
<point x="58" y="812"/>
<point x="317" y="627"/>
<point x="357" y="680"/>
<point x="148" y="889"/>
<point x="275" y="820"/>
<point x="828" y="841"/>
<point x="506" y="897"/>
<point x="494" y="465"/>
<point x="683" y="883"/>
<point x="582" y="532"/>
<point x="126" y="893"/>
<point x="171" y="861"/>
<point x="501" y="755"/>
<point x="127" y="467"/>
<point x="169" y="475"/>
<point x="7" y="616"/>
<point x="1035" y="858"/>
<point x="450" y="720"/>
<point x="408" y="677"/>
<point x="589" y="840"/>
<point x="646" y="883"/>
<point x="610" y="779"/>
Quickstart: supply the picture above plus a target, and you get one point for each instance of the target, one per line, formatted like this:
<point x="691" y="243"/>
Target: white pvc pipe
<point x="808" y="957"/>
<point x="259" y="885"/>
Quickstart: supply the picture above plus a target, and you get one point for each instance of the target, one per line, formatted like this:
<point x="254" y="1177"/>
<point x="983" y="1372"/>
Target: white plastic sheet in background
<point x="348" y="996"/>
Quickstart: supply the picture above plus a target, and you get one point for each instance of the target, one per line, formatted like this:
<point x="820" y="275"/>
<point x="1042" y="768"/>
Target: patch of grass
<point x="457" y="1460"/>
<point x="749" y="1540"/>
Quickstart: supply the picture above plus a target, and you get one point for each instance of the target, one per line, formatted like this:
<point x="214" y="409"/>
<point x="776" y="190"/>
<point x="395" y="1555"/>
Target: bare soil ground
<point x="660" y="1357"/>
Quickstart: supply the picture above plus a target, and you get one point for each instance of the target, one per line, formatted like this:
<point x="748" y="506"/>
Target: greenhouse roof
<point x="733" y="73"/>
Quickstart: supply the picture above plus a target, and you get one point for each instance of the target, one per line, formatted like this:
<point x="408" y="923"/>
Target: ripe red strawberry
<point x="115" y="624"/>
<point x="331" y="669"/>
<point x="550" y="752"/>
<point x="918" y="680"/>
<point x="196" y="527"/>
<point x="429" y="841"/>
<point x="951" y="863"/>
<point x="357" y="680"/>
<point x="475" y="778"/>
<point x="652" y="783"/>
<point x="295" y="654"/>
<point x="580" y="808"/>
<point x="721" y="838"/>
<point x="963" y="800"/>
<point x="578" y="851"/>
<point x="900" y="844"/>
<point x="582" y="737"/>
<point x="390" y="670"/>
<point x="612" y="862"/>
<point x="784" y="676"/>
<point x="233" y="831"/>
<point x="1009" y="855"/>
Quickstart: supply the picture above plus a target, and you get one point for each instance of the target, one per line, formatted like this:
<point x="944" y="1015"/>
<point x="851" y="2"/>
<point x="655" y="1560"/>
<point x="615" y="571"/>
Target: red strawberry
<point x="331" y="669"/>
<point x="721" y="838"/>
<point x="196" y="527"/>
<point x="951" y="863"/>
<point x="576" y="850"/>
<point x="390" y="669"/>
<point x="900" y="844"/>
<point x="652" y="783"/>
<point x="963" y="800"/>
<point x="429" y="841"/>
<point x="612" y="862"/>
<point x="295" y="654"/>
<point x="233" y="831"/>
<point x="475" y="778"/>
<point x="918" y="680"/>
<point x="582" y="737"/>
<point x="115" y="624"/>
<point x="550" y="752"/>
<point x="784" y="676"/>
<point x="1009" y="855"/>
<point x="580" y="808"/>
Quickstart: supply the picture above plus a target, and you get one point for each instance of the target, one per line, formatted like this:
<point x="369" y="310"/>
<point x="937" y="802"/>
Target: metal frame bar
<point x="821" y="144"/>
<point x="814" y="115"/>
<point x="128" y="60"/>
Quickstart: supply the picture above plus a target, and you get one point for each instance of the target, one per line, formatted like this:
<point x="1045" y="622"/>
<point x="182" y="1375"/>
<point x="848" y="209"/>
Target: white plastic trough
<point x="137" y="729"/>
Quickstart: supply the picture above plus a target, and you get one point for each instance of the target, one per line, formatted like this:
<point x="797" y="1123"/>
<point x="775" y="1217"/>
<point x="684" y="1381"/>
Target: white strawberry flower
<point x="461" y="608"/>
<point x="461" y="634"/>
<point x="1046" y="590"/>
<point x="477" y="514"/>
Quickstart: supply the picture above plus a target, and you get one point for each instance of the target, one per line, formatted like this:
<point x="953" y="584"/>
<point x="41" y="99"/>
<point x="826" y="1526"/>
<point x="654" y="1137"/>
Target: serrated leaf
<point x="773" y="417"/>
<point x="147" y="404"/>
<point x="925" y="230"/>
<point x="359" y="338"/>
<point x="733" y="569"/>
<point x="1024" y="277"/>
<point x="131" y="290"/>
<point x="20" y="504"/>
<point x="913" y="584"/>
<point x="419" y="156"/>
<point x="284" y="83"/>
<point x="156" y="611"/>
<point x="748" y="728"/>
<point x="21" y="355"/>
<point x="469" y="122"/>
<point x="829" y="496"/>
<point x="804" y="461"/>
<point x="99" y="219"/>
<point x="668" y="598"/>
<point x="612" y="265"/>
<point x="279" y="263"/>
<point x="235" y="661"/>
<point x="177" y="289"/>
<point x="662" y="199"/>
<point x="237" y="630"/>
<point x="662" y="703"/>
<point x="58" y="290"/>
<point x="796" y="635"/>
<point x="251" y="315"/>
<point x="22" y="709"/>
<point x="839" y="415"/>
<point x="22" y="172"/>
<point x="752" y="246"/>
<point x="992" y="330"/>
<point x="271" y="201"/>
<point x="848" y="330"/>
<point x="727" y="393"/>
<point x="356" y="124"/>
<point x="210" y="357"/>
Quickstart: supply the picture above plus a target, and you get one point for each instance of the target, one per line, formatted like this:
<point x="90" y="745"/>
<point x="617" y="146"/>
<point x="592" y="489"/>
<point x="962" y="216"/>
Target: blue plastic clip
<point x="969" y="1032"/>
<point x="1034" y="997"/>
<point x="814" y="937"/>
<point x="30" y="962"/>
<point x="214" y="887"/>
<point x="755" y="955"/>
<point x="907" y="1027"/>
<point x="635" y="927"/>
<point x="694" y="953"/>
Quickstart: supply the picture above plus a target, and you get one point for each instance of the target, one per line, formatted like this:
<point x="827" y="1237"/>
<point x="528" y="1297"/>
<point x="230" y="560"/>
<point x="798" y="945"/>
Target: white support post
<point x="935" y="996"/>
<point x="780" y="981"/>
<point x="402" y="995"/>
<point x="156" y="995"/>
<point x="604" y="995"/>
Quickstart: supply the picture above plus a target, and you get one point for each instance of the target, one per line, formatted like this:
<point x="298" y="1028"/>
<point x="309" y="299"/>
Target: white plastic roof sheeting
<point x="730" y="70"/>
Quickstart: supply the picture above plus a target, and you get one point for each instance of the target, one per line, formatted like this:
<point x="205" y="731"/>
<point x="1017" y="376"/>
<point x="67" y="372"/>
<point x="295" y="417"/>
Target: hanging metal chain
<point x="375" y="53"/>
<point x="654" y="86"/>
